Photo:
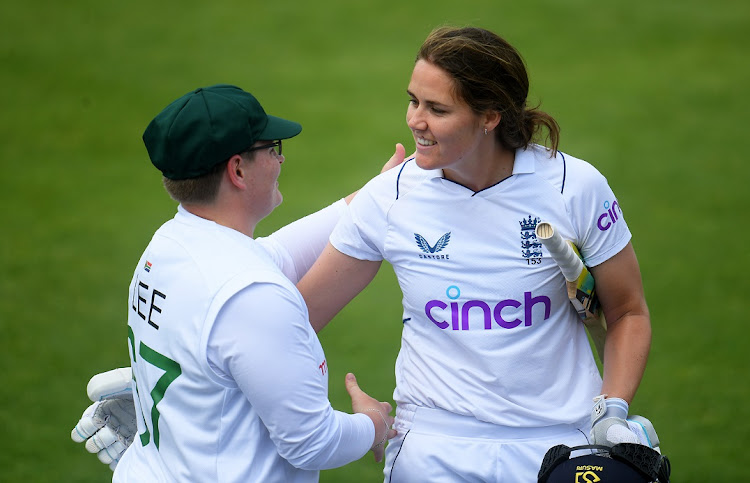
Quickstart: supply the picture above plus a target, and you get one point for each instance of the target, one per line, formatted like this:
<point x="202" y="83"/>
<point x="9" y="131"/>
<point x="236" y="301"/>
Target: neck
<point x="488" y="168"/>
<point x="234" y="218"/>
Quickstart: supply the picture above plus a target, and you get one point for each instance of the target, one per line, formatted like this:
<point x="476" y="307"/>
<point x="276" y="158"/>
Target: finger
<point x="396" y="159"/>
<point x="102" y="439"/>
<point x="390" y="420"/>
<point x="387" y="408"/>
<point x="114" y="383"/>
<point x="88" y="424"/>
<point x="83" y="430"/>
<point x="621" y="434"/>
<point x="351" y="385"/>
<point x="112" y="453"/>
<point x="392" y="433"/>
<point x="378" y="453"/>
<point x="400" y="153"/>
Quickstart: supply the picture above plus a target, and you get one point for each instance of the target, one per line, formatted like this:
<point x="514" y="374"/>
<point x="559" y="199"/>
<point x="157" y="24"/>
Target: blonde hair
<point x="204" y="188"/>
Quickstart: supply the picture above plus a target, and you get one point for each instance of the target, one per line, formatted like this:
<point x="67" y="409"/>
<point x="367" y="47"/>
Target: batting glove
<point x="109" y="425"/>
<point x="609" y="424"/>
<point x="644" y="430"/>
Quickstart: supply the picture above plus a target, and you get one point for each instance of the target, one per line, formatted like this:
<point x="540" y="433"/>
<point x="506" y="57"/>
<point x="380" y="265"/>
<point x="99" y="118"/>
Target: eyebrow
<point x="428" y="102"/>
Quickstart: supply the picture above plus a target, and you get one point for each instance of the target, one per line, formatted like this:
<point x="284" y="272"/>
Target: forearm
<point x="289" y="396"/>
<point x="296" y="246"/>
<point x="356" y="432"/>
<point x="625" y="355"/>
<point x="332" y="282"/>
<point x="628" y="339"/>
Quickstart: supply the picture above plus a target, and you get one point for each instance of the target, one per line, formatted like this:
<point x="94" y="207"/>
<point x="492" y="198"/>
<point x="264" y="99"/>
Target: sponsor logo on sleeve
<point x="610" y="215"/>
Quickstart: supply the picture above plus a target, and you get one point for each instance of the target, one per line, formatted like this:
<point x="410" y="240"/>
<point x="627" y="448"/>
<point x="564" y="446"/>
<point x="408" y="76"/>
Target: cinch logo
<point x="609" y="217"/>
<point x="437" y="311"/>
<point x="432" y="250"/>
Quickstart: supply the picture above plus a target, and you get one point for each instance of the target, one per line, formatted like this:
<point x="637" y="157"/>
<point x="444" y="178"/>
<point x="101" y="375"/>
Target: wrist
<point x="376" y="421"/>
<point x="609" y="407"/>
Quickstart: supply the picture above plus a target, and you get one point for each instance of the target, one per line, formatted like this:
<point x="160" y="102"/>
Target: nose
<point x="415" y="120"/>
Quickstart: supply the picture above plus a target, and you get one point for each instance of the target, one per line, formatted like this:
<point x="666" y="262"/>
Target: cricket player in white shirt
<point x="229" y="378"/>
<point x="495" y="366"/>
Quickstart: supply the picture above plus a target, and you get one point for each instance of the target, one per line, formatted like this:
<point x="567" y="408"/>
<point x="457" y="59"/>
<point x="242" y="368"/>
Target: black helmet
<point x="621" y="463"/>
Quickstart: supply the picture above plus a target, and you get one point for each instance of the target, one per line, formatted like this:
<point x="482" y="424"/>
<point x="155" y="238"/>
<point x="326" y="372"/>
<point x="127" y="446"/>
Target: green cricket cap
<point x="208" y="126"/>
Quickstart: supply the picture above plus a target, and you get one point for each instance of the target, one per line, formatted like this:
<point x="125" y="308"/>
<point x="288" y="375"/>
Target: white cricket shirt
<point x="232" y="382"/>
<point x="488" y="330"/>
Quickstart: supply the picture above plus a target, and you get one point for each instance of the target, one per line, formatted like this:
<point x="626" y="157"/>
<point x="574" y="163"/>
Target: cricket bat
<point x="580" y="283"/>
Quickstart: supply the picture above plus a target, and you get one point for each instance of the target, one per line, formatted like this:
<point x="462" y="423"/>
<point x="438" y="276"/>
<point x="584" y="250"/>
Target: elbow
<point x="631" y="332"/>
<point x="310" y="447"/>
<point x="635" y="318"/>
<point x="307" y="455"/>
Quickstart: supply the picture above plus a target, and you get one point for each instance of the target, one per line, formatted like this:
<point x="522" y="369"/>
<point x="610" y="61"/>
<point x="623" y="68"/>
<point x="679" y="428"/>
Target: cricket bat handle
<point x="567" y="259"/>
<point x="580" y="283"/>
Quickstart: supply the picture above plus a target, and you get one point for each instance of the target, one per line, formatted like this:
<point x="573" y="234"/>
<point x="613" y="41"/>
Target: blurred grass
<point x="655" y="94"/>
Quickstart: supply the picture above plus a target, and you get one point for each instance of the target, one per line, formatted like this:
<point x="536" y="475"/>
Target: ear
<point x="491" y="119"/>
<point x="236" y="171"/>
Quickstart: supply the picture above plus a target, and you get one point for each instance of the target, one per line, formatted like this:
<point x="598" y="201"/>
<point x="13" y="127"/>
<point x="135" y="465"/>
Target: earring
<point x="485" y="131"/>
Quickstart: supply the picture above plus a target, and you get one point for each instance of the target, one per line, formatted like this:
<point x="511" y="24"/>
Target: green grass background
<point x="653" y="92"/>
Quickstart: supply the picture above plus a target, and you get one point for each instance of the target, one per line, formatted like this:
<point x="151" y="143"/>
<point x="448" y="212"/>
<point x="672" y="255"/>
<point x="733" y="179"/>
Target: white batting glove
<point x="644" y="430"/>
<point x="609" y="424"/>
<point x="109" y="425"/>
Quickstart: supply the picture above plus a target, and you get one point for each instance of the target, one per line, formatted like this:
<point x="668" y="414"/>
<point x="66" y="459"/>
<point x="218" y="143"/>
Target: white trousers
<point x="438" y="446"/>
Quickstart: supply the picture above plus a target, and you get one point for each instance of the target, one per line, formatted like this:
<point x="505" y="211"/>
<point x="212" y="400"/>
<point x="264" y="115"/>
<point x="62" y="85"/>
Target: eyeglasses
<point x="275" y="144"/>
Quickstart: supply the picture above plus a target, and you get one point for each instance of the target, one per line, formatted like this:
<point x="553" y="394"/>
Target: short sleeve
<point x="361" y="231"/>
<point x="596" y="214"/>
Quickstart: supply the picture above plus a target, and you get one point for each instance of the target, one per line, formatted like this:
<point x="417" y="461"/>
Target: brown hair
<point x="490" y="74"/>
<point x="204" y="188"/>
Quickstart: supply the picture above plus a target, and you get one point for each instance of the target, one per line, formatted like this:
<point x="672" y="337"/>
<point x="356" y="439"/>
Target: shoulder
<point x="260" y="289"/>
<point x="580" y="172"/>
<point x="214" y="253"/>
<point x="268" y="288"/>
<point x="398" y="181"/>
<point x="565" y="172"/>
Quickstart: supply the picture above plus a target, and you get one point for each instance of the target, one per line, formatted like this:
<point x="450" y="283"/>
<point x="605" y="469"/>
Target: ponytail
<point x="534" y="123"/>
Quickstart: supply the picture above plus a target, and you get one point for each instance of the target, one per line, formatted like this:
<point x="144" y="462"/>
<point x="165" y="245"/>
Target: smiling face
<point x="446" y="130"/>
